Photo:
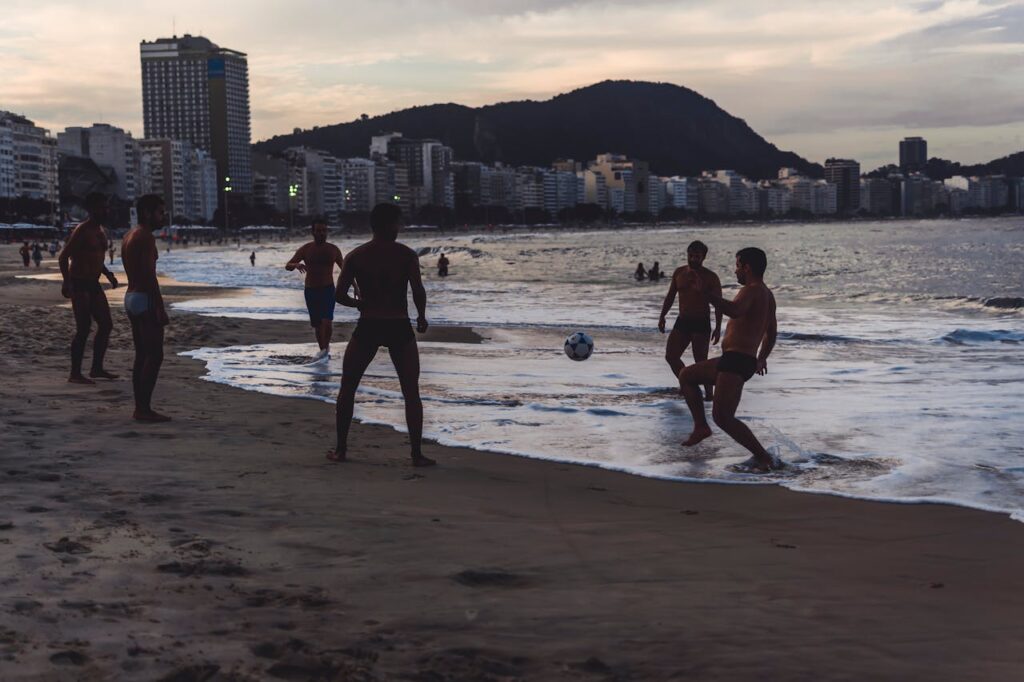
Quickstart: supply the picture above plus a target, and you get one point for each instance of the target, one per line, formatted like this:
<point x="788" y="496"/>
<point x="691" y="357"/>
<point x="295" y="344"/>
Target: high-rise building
<point x="112" y="149"/>
<point x="913" y="154"/>
<point x="196" y="91"/>
<point x="683" y="193"/>
<point x="845" y="175"/>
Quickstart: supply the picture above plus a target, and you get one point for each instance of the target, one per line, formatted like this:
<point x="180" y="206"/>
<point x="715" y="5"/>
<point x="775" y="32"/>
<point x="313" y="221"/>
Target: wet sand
<point x="223" y="546"/>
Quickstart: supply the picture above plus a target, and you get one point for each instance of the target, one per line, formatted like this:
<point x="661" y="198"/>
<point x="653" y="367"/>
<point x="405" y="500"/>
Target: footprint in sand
<point x="69" y="658"/>
<point x="67" y="546"/>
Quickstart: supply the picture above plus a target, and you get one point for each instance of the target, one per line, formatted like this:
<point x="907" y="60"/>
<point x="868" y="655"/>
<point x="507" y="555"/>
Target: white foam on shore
<point x="895" y="428"/>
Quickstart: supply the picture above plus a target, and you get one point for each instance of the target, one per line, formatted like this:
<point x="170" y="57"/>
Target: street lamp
<point x="227" y="210"/>
<point x="293" y="191"/>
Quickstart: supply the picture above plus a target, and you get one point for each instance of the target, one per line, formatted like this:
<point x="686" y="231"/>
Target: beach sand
<point x="223" y="546"/>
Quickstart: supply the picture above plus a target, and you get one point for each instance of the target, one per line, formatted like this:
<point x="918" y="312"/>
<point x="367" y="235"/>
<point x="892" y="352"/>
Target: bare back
<point x="745" y="331"/>
<point x="383" y="271"/>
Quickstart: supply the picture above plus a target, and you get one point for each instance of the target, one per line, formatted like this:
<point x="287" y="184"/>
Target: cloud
<point x="795" y="71"/>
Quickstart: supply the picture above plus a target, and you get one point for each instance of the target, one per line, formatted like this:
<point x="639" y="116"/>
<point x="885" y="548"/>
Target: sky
<point x="817" y="77"/>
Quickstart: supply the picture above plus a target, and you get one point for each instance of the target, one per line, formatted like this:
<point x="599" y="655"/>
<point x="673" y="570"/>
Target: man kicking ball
<point x="317" y="260"/>
<point x="752" y="324"/>
<point x="385" y="271"/>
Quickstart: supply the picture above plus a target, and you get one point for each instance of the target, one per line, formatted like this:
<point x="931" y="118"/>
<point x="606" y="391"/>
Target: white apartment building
<point x="359" y="179"/>
<point x="184" y="176"/>
<point x="112" y="149"/>
<point x="28" y="159"/>
<point x="559" y="191"/>
<point x="683" y="193"/>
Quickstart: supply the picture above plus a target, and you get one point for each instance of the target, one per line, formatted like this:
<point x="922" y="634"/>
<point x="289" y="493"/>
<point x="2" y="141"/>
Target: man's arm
<point x="345" y="281"/>
<point x="339" y="260"/>
<point x="296" y="262"/>
<point x="64" y="259"/>
<point x="670" y="298"/>
<point x="770" y="333"/>
<point x="716" y="290"/>
<point x="737" y="307"/>
<point x="419" y="294"/>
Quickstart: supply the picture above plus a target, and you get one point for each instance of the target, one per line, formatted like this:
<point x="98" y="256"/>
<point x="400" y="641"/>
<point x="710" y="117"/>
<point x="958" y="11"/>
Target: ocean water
<point x="899" y="372"/>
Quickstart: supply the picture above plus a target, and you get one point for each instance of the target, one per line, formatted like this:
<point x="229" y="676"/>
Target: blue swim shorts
<point x="320" y="304"/>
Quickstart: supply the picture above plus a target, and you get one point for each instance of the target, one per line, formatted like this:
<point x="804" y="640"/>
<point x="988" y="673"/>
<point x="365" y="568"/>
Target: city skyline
<point x="843" y="82"/>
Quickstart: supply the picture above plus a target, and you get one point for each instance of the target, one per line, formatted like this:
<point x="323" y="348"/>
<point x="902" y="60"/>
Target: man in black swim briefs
<point x="693" y="325"/>
<point x="385" y="270"/>
<point x="752" y="325"/>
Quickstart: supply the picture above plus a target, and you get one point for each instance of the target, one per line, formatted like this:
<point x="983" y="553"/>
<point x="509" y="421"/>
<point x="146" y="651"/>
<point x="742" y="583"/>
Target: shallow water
<point x="899" y="372"/>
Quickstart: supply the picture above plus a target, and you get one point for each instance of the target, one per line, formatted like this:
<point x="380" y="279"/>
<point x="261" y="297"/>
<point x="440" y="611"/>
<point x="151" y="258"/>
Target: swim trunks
<point x="136" y="302"/>
<point x="320" y="304"/>
<point x="85" y="285"/>
<point x="692" y="325"/>
<point x="393" y="334"/>
<point x="738" y="363"/>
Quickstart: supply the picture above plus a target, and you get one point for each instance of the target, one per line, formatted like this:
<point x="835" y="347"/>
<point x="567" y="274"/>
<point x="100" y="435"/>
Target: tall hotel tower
<point x="195" y="91"/>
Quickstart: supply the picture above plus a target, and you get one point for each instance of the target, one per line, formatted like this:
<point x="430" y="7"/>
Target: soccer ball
<point x="579" y="346"/>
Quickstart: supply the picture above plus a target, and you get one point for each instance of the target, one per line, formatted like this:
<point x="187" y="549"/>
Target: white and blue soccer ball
<point x="579" y="346"/>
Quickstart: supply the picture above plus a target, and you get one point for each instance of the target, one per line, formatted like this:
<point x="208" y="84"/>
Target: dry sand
<point x="223" y="546"/>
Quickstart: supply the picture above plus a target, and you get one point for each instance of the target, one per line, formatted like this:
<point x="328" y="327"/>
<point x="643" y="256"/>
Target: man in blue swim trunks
<point x="316" y="260"/>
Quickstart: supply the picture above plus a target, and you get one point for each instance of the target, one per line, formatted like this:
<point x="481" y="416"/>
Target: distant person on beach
<point x="53" y="248"/>
<point x="111" y="254"/>
<point x="81" y="264"/>
<point x="442" y="266"/>
<point x="640" y="274"/>
<point x="693" y="324"/>
<point x="145" y="305"/>
<point x="252" y="259"/>
<point x="752" y="325"/>
<point x="316" y="259"/>
<point x="26" y="253"/>
<point x="655" y="273"/>
<point x="385" y="271"/>
<point x="37" y="254"/>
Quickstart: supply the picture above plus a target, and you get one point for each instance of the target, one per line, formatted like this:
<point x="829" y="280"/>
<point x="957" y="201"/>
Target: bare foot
<point x="709" y="395"/>
<point x="697" y="436"/>
<point x="336" y="455"/>
<point x="151" y="417"/>
<point x="102" y="374"/>
<point x="421" y="461"/>
<point x="79" y="379"/>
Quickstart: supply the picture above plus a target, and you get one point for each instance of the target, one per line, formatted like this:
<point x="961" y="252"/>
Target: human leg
<point x="674" y="348"/>
<point x="728" y="391"/>
<point x="150" y="346"/>
<point x="100" y="311"/>
<point x="690" y="380"/>
<point x="701" y="344"/>
<point x="406" y="359"/>
<point x="358" y="356"/>
<point x="81" y="307"/>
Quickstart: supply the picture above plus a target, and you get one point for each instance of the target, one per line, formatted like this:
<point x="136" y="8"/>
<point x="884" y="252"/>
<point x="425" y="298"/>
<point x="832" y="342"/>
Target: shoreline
<point x="224" y="546"/>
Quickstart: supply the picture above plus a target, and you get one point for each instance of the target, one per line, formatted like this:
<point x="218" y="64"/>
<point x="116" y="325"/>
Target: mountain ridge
<point x="675" y="129"/>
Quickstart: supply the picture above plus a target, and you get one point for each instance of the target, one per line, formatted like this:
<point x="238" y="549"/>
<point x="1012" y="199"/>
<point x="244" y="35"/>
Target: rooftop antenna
<point x="174" y="26"/>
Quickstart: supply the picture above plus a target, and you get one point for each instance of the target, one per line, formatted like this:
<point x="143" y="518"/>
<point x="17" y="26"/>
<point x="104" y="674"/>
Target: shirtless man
<point x="752" y="325"/>
<point x="316" y="260"/>
<point x="385" y="270"/>
<point x="693" y="325"/>
<point x="145" y="305"/>
<point x="81" y="264"/>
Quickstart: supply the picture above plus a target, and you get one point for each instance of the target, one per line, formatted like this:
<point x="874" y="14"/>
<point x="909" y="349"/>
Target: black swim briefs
<point x="85" y="285"/>
<point x="738" y="363"/>
<point x="692" y="325"/>
<point x="392" y="334"/>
